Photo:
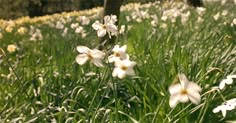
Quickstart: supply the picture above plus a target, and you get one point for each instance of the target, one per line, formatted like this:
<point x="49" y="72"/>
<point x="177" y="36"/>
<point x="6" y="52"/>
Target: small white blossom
<point x="123" y="68"/>
<point x="184" y="91"/>
<point x="216" y="17"/>
<point x="227" y="81"/>
<point x="118" y="53"/>
<point x="226" y="106"/>
<point x="108" y="27"/>
<point x="95" y="56"/>
<point x="11" y="48"/>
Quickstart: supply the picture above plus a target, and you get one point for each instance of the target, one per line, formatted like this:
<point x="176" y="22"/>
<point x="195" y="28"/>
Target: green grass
<point x="47" y="84"/>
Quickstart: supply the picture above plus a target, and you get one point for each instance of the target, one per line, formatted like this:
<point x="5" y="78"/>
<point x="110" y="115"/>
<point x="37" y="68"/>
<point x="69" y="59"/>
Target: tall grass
<point x="41" y="82"/>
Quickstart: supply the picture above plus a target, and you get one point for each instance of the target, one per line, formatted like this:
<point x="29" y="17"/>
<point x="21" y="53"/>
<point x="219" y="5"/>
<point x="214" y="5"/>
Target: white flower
<point x="234" y="21"/>
<point x="84" y="20"/>
<point x="201" y="10"/>
<point x="59" y="25"/>
<point x="123" y="68"/>
<point x="11" y="48"/>
<point x="95" y="56"/>
<point x="108" y="27"/>
<point x="74" y="25"/>
<point x="184" y="91"/>
<point x="216" y="17"/>
<point x="119" y="53"/>
<point x="228" y="81"/>
<point x="226" y="106"/>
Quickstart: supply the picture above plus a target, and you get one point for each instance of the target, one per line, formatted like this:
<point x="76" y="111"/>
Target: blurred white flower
<point x="59" y="25"/>
<point x="223" y="2"/>
<point x="1" y="36"/>
<point x="224" y="13"/>
<point x="226" y="106"/>
<point x="163" y="25"/>
<point x="11" y="48"/>
<point x="95" y="56"/>
<point x="65" y="31"/>
<point x="79" y="29"/>
<point x="74" y="25"/>
<point x="119" y="53"/>
<point x="234" y="21"/>
<point x="200" y="19"/>
<point x="185" y="17"/>
<point x="201" y="10"/>
<point x="84" y="20"/>
<point x="108" y="27"/>
<point x="22" y="30"/>
<point x="123" y="68"/>
<point x="227" y="81"/>
<point x="36" y="35"/>
<point x="184" y="91"/>
<point x="216" y="17"/>
<point x="122" y="29"/>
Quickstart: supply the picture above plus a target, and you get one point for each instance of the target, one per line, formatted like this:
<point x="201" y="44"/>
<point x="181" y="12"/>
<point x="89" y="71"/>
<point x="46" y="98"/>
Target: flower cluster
<point x="123" y="66"/>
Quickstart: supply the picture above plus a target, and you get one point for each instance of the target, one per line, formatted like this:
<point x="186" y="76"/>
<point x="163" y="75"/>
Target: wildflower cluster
<point x="123" y="66"/>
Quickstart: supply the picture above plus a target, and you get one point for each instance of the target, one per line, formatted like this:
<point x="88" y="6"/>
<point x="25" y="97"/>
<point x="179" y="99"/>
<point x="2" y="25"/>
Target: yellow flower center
<point x="117" y="54"/>
<point x="104" y="26"/>
<point x="124" y="68"/>
<point x="90" y="56"/>
<point x="183" y="92"/>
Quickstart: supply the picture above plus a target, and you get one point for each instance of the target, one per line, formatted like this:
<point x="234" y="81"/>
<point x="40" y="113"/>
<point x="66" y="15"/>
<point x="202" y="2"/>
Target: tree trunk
<point x="111" y="7"/>
<point x="195" y="3"/>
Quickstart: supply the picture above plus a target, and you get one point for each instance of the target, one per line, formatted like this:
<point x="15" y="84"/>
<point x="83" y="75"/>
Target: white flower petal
<point x="82" y="49"/>
<point x="130" y="72"/>
<point x="216" y="110"/>
<point x="112" y="28"/>
<point x="183" y="98"/>
<point x="223" y="111"/>
<point x="97" y="62"/>
<point x="111" y="58"/>
<point x="81" y="59"/>
<point x="231" y="77"/>
<point x="229" y="81"/>
<point x="121" y="74"/>
<point x="123" y="48"/>
<point x="107" y="19"/>
<point x="101" y="32"/>
<point x="96" y="25"/>
<point x="183" y="80"/>
<point x="173" y="101"/>
<point x="98" y="54"/>
<point x="194" y="97"/>
<point x="115" y="72"/>
<point x="194" y="86"/>
<point x="222" y="84"/>
<point x="174" y="89"/>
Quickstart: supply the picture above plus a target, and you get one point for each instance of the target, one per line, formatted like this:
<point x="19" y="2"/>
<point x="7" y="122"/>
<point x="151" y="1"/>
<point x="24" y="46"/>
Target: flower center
<point x="184" y="92"/>
<point x="117" y="54"/>
<point x="124" y="68"/>
<point x="90" y="56"/>
<point x="104" y="26"/>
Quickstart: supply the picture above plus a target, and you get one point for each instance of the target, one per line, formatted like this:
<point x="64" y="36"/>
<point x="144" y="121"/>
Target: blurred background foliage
<point x="12" y="9"/>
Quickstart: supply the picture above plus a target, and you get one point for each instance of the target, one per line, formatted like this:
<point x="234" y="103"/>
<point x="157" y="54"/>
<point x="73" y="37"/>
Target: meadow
<point x="41" y="81"/>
